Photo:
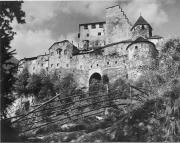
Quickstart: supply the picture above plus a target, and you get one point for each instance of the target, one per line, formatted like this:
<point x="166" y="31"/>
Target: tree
<point x="34" y="84"/>
<point x="169" y="61"/>
<point x="10" y="10"/>
<point x="22" y="82"/>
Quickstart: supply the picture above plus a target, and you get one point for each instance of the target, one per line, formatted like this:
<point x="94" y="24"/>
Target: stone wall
<point x="141" y="31"/>
<point x="142" y="57"/>
<point x="92" y="32"/>
<point x="117" y="25"/>
<point x="111" y="58"/>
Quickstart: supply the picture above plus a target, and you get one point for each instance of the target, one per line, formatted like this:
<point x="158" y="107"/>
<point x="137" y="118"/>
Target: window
<point x="93" y="26"/>
<point x="97" y="65"/>
<point x="143" y="27"/>
<point x="115" y="62"/>
<point x="99" y="33"/>
<point x="87" y="34"/>
<point x="33" y="68"/>
<point x="80" y="66"/>
<point x="51" y="53"/>
<point x="59" y="51"/>
<point x="51" y="65"/>
<point x="100" y="25"/>
<point x="57" y="65"/>
<point x="42" y="65"/>
<point x="136" y="47"/>
<point x="91" y="66"/>
<point x="85" y="26"/>
<point x="65" y="52"/>
<point x="67" y="65"/>
<point x="78" y="35"/>
<point x="108" y="63"/>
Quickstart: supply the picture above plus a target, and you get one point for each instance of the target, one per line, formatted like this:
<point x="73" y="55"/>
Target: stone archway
<point x="95" y="78"/>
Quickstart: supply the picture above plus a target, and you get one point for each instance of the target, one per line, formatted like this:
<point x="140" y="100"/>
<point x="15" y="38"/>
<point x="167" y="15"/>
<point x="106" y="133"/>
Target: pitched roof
<point x="139" y="40"/>
<point x="58" y="43"/>
<point x="141" y="21"/>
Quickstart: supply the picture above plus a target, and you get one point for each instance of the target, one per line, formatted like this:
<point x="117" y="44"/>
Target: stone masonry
<point x="114" y="48"/>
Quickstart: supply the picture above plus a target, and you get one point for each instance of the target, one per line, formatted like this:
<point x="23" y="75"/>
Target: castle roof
<point x="141" y="21"/>
<point x="139" y="40"/>
<point x="58" y="43"/>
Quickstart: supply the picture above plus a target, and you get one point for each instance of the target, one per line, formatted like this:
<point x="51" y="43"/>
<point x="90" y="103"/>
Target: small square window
<point x="93" y="26"/>
<point x="100" y="25"/>
<point x="99" y="33"/>
<point x="85" y="26"/>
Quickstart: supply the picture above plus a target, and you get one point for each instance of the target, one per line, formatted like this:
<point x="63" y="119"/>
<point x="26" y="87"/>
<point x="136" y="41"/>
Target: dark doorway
<point x="95" y="78"/>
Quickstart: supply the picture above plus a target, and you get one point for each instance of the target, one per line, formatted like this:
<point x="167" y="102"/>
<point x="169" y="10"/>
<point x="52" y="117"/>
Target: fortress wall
<point x="141" y="59"/>
<point x="60" y="55"/>
<point x="117" y="25"/>
<point x="41" y="63"/>
<point x="119" y="49"/>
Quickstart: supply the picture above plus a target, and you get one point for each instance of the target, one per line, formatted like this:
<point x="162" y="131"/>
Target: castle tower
<point x="141" y="28"/>
<point x="142" y="58"/>
<point x="117" y="25"/>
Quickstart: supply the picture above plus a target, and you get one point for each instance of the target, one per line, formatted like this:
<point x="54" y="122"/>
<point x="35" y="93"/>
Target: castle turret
<point x="142" y="58"/>
<point x="141" y="28"/>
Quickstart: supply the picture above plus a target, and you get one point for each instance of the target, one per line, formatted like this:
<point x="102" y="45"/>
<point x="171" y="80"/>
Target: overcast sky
<point x="49" y="22"/>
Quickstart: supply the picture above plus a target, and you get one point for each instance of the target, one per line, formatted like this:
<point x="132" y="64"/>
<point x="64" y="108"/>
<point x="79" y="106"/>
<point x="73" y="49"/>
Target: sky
<point x="51" y="21"/>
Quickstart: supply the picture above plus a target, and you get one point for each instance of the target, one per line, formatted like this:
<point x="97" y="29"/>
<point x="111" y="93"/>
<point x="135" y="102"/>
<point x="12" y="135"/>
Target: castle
<point x="106" y="51"/>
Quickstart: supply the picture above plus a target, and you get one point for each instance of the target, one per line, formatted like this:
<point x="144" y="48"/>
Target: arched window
<point x="65" y="52"/>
